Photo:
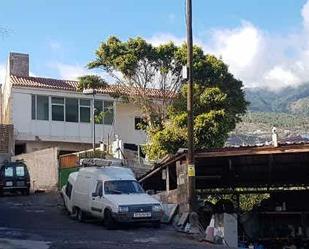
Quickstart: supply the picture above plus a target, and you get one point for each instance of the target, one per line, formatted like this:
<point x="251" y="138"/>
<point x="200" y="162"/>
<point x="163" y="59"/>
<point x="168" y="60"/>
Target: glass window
<point x="85" y="102"/>
<point x="71" y="110"/>
<point x="57" y="100"/>
<point x="122" y="187"/>
<point x="57" y="109"/>
<point x="8" y="172"/>
<point x="84" y="110"/>
<point x="99" y="189"/>
<point x="68" y="190"/>
<point x="139" y="123"/>
<point x="42" y="107"/>
<point x="108" y="112"/>
<point x="20" y="171"/>
<point x="33" y="107"/>
<point x="98" y="109"/>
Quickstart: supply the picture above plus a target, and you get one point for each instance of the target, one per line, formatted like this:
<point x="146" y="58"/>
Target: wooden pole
<point x="190" y="157"/>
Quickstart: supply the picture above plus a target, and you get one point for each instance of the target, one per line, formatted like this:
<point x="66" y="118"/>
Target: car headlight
<point x="156" y="208"/>
<point x="123" y="209"/>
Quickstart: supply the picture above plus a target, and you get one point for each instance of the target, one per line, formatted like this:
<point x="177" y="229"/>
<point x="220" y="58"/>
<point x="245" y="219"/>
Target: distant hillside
<point x="256" y="127"/>
<point x="288" y="100"/>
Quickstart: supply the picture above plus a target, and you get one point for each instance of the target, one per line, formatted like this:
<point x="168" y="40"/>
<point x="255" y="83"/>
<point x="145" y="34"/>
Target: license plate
<point x="9" y="184"/>
<point x="142" y="215"/>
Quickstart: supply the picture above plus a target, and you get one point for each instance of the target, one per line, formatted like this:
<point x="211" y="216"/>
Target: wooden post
<point x="190" y="157"/>
<point x="167" y="179"/>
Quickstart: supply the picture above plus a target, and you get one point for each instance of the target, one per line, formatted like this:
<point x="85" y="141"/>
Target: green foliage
<point x="248" y="201"/>
<point x="218" y="96"/>
<point x="218" y="103"/>
<point x="136" y="63"/>
<point x="90" y="81"/>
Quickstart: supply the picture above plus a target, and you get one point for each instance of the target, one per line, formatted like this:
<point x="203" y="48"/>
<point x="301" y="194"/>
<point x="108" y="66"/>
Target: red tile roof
<point x="71" y="85"/>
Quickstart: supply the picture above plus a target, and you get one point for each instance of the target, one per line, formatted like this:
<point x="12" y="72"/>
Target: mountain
<point x="286" y="109"/>
<point x="292" y="100"/>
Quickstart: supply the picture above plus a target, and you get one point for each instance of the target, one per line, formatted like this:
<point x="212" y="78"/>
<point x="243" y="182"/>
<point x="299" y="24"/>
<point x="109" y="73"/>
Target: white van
<point x="111" y="194"/>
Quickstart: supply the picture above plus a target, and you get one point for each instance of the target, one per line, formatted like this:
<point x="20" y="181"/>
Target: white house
<point x="51" y="112"/>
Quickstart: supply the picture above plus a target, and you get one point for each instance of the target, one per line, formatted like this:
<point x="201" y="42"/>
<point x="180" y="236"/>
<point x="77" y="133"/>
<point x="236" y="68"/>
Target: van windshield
<point x="122" y="187"/>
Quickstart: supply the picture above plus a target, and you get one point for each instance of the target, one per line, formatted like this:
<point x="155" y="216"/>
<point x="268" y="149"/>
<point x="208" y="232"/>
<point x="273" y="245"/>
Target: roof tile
<point x="70" y="85"/>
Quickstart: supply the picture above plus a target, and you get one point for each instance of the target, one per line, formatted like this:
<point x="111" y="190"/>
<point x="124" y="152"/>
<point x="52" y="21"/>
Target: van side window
<point x="99" y="188"/>
<point x="68" y="190"/>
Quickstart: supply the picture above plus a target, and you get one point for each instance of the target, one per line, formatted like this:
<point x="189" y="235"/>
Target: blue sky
<point x="261" y="40"/>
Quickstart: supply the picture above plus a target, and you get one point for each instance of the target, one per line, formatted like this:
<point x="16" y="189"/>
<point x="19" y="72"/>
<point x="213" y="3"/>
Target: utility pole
<point x="190" y="157"/>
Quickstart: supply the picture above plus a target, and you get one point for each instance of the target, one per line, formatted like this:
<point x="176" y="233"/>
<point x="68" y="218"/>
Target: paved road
<point x="39" y="221"/>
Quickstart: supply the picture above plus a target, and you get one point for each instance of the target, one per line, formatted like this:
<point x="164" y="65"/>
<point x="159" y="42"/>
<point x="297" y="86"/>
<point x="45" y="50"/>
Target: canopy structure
<point x="250" y="169"/>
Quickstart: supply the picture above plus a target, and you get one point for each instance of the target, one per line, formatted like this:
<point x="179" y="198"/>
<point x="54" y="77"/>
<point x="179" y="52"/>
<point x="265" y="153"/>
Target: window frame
<point x="105" y="109"/>
<point x="58" y="104"/>
<point x="99" y="188"/>
<point x="66" y="112"/>
<point x="84" y="106"/>
<point x="34" y="107"/>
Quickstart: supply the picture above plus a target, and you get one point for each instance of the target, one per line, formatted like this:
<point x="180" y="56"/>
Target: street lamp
<point x="92" y="92"/>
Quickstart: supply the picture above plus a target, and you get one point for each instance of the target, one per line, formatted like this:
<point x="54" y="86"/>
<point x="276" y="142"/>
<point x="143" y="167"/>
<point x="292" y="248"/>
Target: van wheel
<point x="80" y="215"/>
<point x="74" y="213"/>
<point x="108" y="221"/>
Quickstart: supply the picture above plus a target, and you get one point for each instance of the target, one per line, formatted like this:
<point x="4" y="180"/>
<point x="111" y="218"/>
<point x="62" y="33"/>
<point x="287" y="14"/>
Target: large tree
<point x="219" y="101"/>
<point x="218" y="97"/>
<point x="139" y="65"/>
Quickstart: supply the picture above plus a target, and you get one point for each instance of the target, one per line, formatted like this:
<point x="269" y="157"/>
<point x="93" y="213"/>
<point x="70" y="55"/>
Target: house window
<point x="57" y="109"/>
<point x="71" y="110"/>
<point x="39" y="107"/>
<point x="84" y="110"/>
<point x="108" y="112"/>
<point x="139" y="123"/>
<point x="98" y="106"/>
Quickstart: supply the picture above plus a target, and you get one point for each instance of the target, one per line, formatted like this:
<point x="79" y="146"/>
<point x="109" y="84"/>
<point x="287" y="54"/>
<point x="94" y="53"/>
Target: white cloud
<point x="162" y="38"/>
<point x="69" y="72"/>
<point x="255" y="56"/>
<point x="72" y="72"/>
<point x="54" y="45"/>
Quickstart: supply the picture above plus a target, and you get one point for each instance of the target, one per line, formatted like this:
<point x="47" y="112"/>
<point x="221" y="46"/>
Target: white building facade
<point x="50" y="112"/>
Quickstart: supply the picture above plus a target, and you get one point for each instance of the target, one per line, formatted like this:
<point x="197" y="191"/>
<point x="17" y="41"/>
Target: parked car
<point x="14" y="177"/>
<point x="111" y="194"/>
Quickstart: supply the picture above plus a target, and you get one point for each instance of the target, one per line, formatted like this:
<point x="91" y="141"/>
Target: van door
<point x="9" y="177"/>
<point x="20" y="173"/>
<point x="96" y="201"/>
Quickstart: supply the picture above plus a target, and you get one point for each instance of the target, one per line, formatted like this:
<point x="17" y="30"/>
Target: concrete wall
<point x="48" y="130"/>
<point x="43" y="168"/>
<point x="125" y="124"/>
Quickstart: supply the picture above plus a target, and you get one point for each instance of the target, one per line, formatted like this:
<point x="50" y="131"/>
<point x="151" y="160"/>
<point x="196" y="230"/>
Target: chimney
<point x="18" y="64"/>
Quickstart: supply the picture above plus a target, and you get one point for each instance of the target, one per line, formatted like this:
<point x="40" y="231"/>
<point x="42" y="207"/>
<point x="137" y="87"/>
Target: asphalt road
<point x="38" y="221"/>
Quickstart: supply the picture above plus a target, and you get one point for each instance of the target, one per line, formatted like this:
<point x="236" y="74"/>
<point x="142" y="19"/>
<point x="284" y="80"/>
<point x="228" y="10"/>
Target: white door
<point x="96" y="205"/>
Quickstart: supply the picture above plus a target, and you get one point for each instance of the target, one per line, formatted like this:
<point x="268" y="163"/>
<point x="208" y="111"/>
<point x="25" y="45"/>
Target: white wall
<point x="27" y="129"/>
<point x="125" y="124"/>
